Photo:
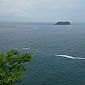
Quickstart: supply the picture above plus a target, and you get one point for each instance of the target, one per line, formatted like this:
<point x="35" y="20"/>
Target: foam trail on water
<point x="26" y="48"/>
<point x="71" y="57"/>
<point x="34" y="50"/>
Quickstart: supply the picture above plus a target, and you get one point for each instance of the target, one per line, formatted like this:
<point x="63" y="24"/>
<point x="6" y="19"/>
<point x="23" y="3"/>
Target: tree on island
<point x="11" y="66"/>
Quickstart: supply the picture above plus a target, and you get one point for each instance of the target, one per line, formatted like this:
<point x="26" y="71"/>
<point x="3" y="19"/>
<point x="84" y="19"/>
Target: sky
<point x="42" y="10"/>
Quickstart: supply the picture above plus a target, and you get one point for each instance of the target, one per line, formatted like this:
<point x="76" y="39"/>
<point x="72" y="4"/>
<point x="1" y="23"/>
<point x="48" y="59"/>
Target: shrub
<point x="11" y="66"/>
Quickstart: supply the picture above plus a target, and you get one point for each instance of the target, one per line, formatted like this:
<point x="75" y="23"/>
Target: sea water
<point x="58" y="52"/>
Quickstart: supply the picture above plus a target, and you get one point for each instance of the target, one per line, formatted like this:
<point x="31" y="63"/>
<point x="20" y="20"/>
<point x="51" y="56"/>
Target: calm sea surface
<point x="58" y="51"/>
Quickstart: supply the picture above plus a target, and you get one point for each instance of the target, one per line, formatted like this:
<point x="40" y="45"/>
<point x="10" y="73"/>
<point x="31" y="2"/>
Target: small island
<point x="63" y="23"/>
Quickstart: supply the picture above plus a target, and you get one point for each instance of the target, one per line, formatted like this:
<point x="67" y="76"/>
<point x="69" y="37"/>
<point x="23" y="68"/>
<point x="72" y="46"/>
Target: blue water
<point x="46" y="41"/>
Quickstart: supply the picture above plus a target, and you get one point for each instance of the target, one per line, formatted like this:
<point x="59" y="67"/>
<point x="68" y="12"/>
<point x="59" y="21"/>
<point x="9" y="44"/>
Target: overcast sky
<point x="42" y="10"/>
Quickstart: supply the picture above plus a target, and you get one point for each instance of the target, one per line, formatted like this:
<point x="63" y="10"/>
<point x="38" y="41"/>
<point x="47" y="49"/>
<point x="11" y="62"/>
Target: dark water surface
<point x="46" y="42"/>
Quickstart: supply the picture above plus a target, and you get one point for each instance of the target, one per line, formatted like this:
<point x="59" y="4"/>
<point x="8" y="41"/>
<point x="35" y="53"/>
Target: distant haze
<point x="42" y="10"/>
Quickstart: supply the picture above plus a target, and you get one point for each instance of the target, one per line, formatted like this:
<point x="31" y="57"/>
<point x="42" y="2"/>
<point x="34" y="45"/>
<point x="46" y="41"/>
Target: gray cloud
<point x="1" y="1"/>
<point x="42" y="10"/>
<point x="25" y="6"/>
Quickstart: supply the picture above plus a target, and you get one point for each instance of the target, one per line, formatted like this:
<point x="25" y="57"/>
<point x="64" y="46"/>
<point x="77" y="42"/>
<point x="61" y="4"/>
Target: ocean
<point x="58" y="51"/>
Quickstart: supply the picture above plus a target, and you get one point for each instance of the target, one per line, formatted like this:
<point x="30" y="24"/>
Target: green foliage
<point x="11" y="66"/>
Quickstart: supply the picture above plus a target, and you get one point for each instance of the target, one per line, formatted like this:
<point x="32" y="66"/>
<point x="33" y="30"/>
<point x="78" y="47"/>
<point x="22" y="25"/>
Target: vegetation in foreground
<point x="11" y="66"/>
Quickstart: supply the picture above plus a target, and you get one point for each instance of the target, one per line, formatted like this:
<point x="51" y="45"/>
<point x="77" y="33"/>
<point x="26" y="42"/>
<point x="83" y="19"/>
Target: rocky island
<point x="63" y="23"/>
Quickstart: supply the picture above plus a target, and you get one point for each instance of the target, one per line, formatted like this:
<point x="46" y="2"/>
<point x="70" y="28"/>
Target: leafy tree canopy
<point x="11" y="66"/>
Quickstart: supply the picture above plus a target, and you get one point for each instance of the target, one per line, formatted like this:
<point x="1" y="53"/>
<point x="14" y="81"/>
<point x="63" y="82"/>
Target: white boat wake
<point x="35" y="50"/>
<point x="71" y="57"/>
<point x="26" y="48"/>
